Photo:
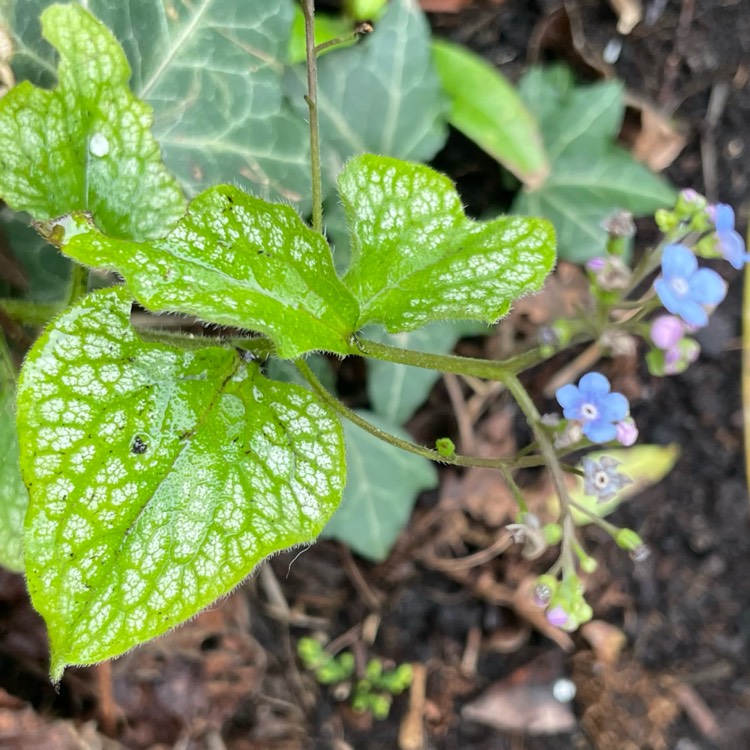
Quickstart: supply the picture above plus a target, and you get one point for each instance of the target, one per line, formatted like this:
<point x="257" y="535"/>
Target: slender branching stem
<point x="308" y="10"/>
<point x="432" y="455"/>
<point x="361" y="30"/>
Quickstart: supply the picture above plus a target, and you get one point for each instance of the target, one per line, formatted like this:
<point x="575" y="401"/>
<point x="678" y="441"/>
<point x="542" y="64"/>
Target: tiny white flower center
<point x="589" y="411"/>
<point x="601" y="479"/>
<point x="679" y="286"/>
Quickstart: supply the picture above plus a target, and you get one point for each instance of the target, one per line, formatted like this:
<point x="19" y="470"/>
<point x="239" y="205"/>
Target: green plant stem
<point x="480" y="368"/>
<point x="409" y="447"/>
<point x="308" y="10"/>
<point x="610" y="528"/>
<point x="79" y="284"/>
<point x="362" y="28"/>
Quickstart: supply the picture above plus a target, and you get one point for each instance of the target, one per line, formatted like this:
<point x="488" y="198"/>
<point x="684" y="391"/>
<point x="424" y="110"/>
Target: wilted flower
<point x="685" y="289"/>
<point x="601" y="478"/>
<point x="592" y="404"/>
<point x="529" y="532"/>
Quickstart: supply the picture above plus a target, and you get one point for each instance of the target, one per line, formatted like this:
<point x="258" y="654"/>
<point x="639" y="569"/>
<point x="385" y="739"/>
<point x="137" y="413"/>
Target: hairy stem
<point x="308" y="10"/>
<point x="432" y="455"/>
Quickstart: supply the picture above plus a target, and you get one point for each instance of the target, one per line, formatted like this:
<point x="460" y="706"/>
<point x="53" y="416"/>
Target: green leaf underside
<point x="381" y="96"/>
<point x="489" y="110"/>
<point x="590" y="177"/>
<point x="381" y="489"/>
<point x="86" y="144"/>
<point x="234" y="260"/>
<point x="13" y="495"/>
<point x="213" y="72"/>
<point x="417" y="258"/>
<point x="158" y="477"/>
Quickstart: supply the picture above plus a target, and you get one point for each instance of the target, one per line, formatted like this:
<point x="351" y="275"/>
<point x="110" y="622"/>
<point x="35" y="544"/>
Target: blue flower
<point x="730" y="242"/>
<point x="592" y="404"/>
<point x="684" y="289"/>
<point x="601" y="478"/>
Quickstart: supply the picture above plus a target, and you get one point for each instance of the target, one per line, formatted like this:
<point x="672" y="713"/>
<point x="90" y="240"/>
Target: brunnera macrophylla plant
<point x="161" y="469"/>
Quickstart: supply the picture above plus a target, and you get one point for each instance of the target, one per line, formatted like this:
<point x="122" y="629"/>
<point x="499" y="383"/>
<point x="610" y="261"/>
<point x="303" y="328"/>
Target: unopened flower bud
<point x="627" y="432"/>
<point x="557" y="617"/>
<point x="552" y="533"/>
<point x="445" y="447"/>
<point x="666" y="331"/>
<point x="628" y="539"/>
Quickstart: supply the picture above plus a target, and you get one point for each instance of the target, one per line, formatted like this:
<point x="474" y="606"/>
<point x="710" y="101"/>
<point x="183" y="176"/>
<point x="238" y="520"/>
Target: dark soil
<point x="681" y="681"/>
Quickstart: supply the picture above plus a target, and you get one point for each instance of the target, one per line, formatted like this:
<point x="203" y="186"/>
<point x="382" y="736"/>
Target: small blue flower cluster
<point x="684" y="289"/>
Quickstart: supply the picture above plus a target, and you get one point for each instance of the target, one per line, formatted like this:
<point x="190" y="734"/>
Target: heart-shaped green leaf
<point x="417" y="258"/>
<point x="158" y="477"/>
<point x="234" y="260"/>
<point x="86" y="144"/>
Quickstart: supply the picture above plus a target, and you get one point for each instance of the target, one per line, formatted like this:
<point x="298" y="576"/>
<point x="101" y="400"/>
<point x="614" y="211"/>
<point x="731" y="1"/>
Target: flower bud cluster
<point x="566" y="606"/>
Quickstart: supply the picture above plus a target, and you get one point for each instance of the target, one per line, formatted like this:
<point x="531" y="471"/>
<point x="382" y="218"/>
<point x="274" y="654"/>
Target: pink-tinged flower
<point x="627" y="432"/>
<point x="557" y="616"/>
<point x="667" y="331"/>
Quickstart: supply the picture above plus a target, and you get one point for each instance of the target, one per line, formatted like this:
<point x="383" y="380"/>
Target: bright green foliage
<point x="234" y="260"/>
<point x="158" y="477"/>
<point x="213" y="72"/>
<point x="328" y="669"/>
<point x="417" y="258"/>
<point x="489" y="110"/>
<point x="365" y="10"/>
<point x="383" y="485"/>
<point x="87" y="143"/>
<point x="590" y="176"/>
<point x="381" y="96"/>
<point x="397" y="391"/>
<point x="13" y="495"/>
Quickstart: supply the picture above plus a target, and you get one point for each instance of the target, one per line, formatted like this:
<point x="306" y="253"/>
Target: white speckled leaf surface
<point x="417" y="258"/>
<point x="234" y="260"/>
<point x="158" y="477"/>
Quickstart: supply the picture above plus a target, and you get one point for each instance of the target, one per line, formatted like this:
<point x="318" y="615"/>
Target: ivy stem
<point x="432" y="455"/>
<point x="308" y="10"/>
